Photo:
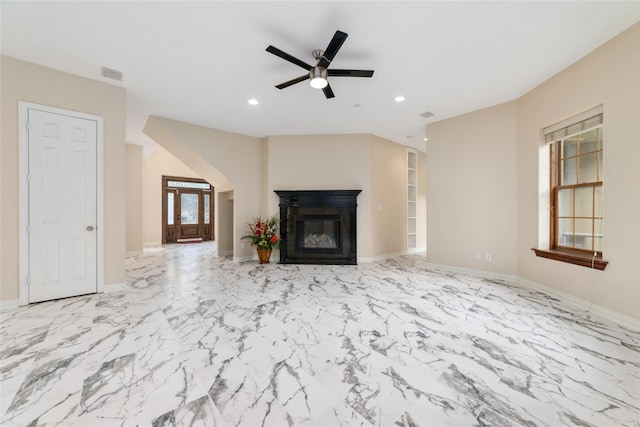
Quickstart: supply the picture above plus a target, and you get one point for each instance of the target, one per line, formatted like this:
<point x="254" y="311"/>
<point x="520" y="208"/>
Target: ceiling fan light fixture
<point x="318" y="77"/>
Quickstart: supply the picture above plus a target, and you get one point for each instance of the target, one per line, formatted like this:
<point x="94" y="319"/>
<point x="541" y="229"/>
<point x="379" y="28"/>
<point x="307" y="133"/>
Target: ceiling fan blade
<point x="287" y="57"/>
<point x="293" y="81"/>
<point x="350" y="73"/>
<point x="328" y="92"/>
<point x="334" y="45"/>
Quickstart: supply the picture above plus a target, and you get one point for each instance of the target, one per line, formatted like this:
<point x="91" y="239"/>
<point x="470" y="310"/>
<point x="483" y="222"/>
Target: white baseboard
<point x="591" y="308"/>
<point x="133" y="253"/>
<point x="228" y="252"/>
<point x="114" y="287"/>
<point x="381" y="257"/>
<point x="417" y="250"/>
<point x="9" y="305"/>
<point x="152" y="244"/>
<point x="392" y="255"/>
<point x="473" y="272"/>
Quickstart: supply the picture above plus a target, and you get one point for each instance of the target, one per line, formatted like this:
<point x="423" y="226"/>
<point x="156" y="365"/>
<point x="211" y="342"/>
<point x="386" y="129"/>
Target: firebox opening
<point x="318" y="226"/>
<point x="318" y="232"/>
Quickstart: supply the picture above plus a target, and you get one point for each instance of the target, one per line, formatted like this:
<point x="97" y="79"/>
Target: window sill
<point x="584" y="260"/>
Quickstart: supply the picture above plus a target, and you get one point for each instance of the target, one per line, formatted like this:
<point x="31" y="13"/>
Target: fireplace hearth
<point x="318" y="226"/>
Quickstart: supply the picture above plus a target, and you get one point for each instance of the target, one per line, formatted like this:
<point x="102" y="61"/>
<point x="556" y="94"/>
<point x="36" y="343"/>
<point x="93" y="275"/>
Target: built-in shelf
<point x="412" y="198"/>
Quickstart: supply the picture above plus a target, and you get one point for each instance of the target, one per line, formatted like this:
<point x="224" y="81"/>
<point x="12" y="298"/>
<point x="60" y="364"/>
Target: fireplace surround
<point x="318" y="226"/>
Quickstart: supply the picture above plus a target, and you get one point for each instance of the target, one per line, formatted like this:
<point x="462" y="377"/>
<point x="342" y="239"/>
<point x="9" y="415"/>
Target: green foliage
<point x="264" y="232"/>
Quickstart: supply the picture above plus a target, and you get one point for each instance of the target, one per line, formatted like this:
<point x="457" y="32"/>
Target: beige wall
<point x="254" y="168"/>
<point x="159" y="163"/>
<point x="607" y="76"/>
<point x="226" y="160"/>
<point x="471" y="182"/>
<point x="33" y="83"/>
<point x="323" y="162"/>
<point x="487" y="179"/>
<point x="224" y="215"/>
<point x="388" y="173"/>
<point x="133" y="181"/>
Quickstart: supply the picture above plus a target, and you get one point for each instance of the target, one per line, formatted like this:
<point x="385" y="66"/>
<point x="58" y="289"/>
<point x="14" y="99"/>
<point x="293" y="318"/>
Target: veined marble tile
<point x="198" y="413"/>
<point x="111" y="395"/>
<point x="50" y="393"/>
<point x="197" y="339"/>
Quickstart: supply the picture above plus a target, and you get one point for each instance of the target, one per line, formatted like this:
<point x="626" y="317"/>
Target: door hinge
<point x="28" y="126"/>
<point x="28" y="228"/>
<point x="28" y="177"/>
<point x="28" y="280"/>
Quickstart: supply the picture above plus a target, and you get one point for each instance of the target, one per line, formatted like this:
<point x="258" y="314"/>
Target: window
<point x="577" y="174"/>
<point x="577" y="193"/>
<point x="189" y="184"/>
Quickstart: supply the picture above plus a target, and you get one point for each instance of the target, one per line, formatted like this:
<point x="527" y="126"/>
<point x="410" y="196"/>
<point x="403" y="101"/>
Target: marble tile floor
<point x="199" y="340"/>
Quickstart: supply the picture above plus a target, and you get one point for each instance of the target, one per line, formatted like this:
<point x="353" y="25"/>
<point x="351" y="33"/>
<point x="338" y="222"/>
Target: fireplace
<point x="318" y="227"/>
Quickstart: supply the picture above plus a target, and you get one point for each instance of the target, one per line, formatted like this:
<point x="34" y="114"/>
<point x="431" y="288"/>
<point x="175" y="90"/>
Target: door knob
<point x="90" y="228"/>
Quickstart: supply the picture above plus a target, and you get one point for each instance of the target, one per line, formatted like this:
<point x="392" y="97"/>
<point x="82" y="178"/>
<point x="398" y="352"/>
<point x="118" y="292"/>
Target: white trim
<point x="23" y="204"/>
<point x="473" y="272"/>
<point x="100" y="194"/>
<point x="132" y="254"/>
<point x="418" y="250"/>
<point x="115" y="287"/>
<point x="148" y="244"/>
<point x="383" y="257"/>
<point x="589" y="307"/>
<point x="23" y="192"/>
<point x="9" y="305"/>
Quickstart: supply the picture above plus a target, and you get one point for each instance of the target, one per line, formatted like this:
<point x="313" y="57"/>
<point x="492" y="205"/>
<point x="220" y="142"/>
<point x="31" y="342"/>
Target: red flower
<point x="274" y="238"/>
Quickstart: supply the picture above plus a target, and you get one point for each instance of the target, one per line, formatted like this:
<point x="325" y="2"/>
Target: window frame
<point x="557" y="185"/>
<point x="591" y="258"/>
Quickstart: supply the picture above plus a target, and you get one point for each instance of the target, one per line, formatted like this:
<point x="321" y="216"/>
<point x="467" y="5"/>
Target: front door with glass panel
<point x="187" y="210"/>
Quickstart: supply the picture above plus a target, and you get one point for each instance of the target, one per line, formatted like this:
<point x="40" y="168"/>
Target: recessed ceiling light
<point x="253" y="101"/>
<point x="426" y="139"/>
<point x="399" y="98"/>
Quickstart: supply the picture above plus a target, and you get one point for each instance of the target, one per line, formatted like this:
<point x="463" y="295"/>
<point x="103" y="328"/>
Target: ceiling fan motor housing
<point x="318" y="77"/>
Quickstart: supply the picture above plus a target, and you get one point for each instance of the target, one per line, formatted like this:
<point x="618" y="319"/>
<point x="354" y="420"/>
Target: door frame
<point x="176" y="205"/>
<point x="23" y="192"/>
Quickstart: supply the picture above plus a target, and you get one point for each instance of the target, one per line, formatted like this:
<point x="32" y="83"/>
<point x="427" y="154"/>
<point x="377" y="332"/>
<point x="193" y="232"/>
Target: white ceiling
<point x="200" y="62"/>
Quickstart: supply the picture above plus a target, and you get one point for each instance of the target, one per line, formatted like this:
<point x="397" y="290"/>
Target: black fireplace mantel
<point x="318" y="226"/>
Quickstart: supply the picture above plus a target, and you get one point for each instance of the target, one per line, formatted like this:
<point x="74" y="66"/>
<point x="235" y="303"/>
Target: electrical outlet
<point x="488" y="257"/>
<point x="477" y="255"/>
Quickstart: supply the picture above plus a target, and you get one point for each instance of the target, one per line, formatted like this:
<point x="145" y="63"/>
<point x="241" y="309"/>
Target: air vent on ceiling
<point x="427" y="114"/>
<point x="111" y="74"/>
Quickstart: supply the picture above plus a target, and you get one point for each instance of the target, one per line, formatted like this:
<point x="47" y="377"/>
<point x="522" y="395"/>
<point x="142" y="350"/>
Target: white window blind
<point x="574" y="125"/>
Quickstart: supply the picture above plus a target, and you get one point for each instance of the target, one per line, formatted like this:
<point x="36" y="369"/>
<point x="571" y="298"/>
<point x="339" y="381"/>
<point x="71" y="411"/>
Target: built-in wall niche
<point x="412" y="198"/>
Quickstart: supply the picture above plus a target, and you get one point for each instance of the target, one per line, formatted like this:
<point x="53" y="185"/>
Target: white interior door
<point x="62" y="223"/>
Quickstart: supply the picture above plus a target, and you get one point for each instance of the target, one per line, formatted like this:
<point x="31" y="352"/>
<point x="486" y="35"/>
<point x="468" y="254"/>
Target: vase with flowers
<point x="263" y="233"/>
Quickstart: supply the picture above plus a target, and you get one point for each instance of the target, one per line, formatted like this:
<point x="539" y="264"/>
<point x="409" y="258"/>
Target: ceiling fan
<point x="318" y="74"/>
